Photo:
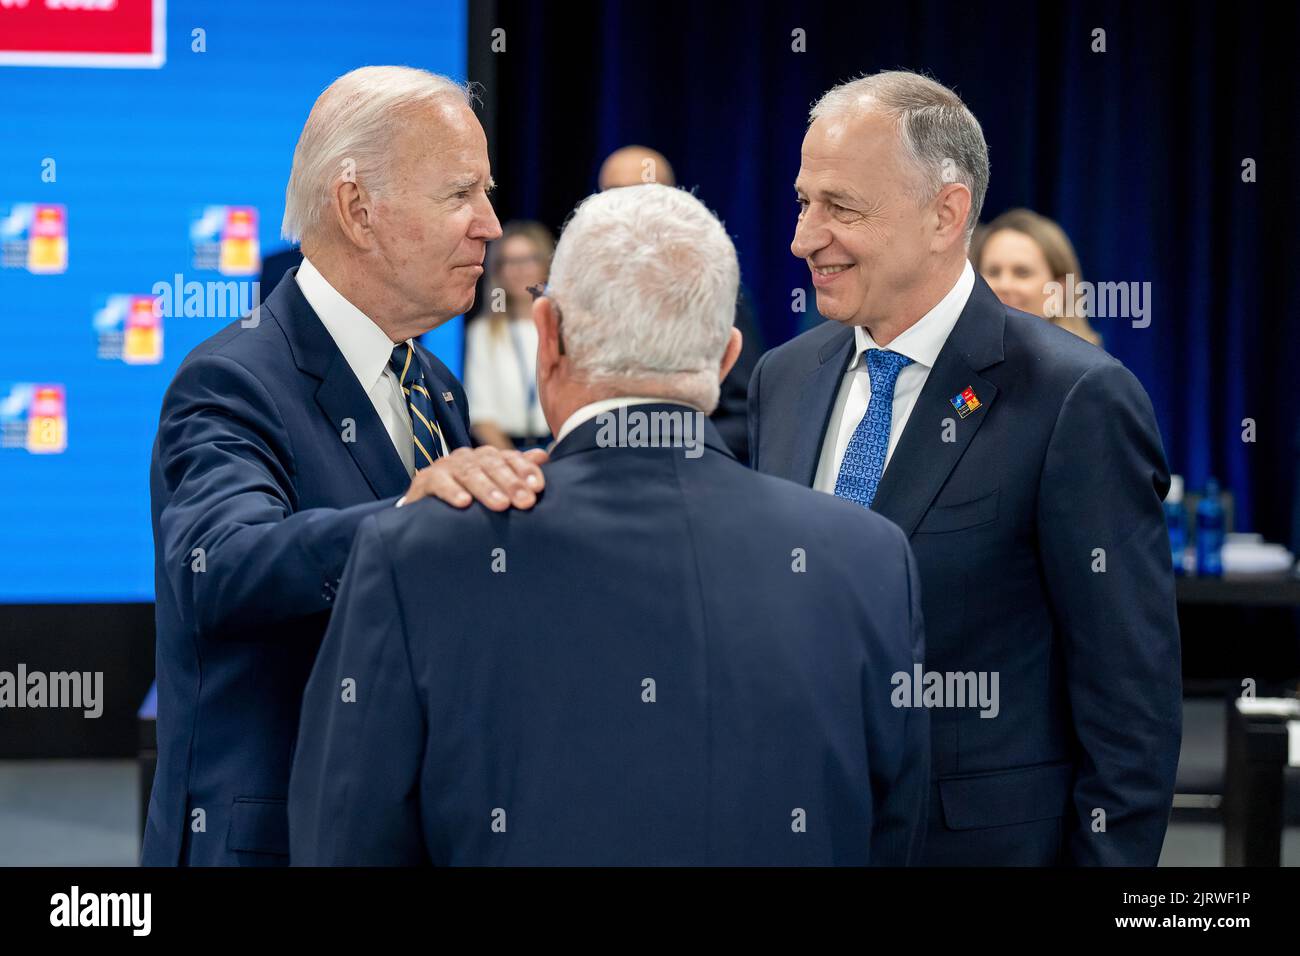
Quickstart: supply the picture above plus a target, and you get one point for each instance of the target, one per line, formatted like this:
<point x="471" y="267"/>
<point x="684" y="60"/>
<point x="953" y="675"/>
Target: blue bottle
<point x="1176" y="519"/>
<point x="1209" y="532"/>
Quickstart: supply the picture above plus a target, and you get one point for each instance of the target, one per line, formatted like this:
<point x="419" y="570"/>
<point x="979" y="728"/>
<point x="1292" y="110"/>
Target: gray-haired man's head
<point x="641" y="301"/>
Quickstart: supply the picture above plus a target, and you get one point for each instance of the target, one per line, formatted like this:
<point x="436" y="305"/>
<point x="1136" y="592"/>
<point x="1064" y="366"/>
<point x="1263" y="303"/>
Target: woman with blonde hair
<point x="1020" y="254"/>
<point x="501" y="342"/>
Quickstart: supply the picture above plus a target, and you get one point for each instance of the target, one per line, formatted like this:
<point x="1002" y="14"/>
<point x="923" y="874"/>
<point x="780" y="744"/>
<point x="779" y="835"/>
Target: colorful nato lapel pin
<point x="448" y="397"/>
<point x="966" y="402"/>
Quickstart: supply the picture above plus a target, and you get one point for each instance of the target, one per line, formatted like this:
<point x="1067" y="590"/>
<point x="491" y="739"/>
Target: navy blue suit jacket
<point x="269" y="454"/>
<point x="1012" y="511"/>
<point x="502" y="708"/>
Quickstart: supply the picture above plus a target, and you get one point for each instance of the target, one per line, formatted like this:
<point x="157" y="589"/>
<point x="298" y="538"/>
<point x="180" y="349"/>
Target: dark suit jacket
<point x="732" y="411"/>
<point x="258" y="486"/>
<point x="1009" y="511"/>
<point x="501" y="708"/>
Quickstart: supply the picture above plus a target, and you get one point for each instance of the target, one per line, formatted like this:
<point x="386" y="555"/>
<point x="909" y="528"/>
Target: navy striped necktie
<point x="424" y="424"/>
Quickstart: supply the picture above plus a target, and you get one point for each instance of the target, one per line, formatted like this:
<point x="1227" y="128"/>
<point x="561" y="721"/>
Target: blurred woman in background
<point x="501" y="342"/>
<point x="1018" y="254"/>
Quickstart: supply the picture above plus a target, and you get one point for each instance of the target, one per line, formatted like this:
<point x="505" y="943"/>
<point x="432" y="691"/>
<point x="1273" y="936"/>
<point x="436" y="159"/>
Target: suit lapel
<point x="816" y="401"/>
<point x="339" y="395"/>
<point x="923" y="460"/>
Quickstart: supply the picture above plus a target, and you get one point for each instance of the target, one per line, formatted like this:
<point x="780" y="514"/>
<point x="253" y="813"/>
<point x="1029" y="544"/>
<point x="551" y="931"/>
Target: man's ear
<point x="546" y="318"/>
<point x="951" y="206"/>
<point x="731" y="354"/>
<point x="353" y="210"/>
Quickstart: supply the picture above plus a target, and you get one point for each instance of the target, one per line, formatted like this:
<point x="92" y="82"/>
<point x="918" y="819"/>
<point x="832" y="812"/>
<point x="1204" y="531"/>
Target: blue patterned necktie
<point x="424" y="424"/>
<point x="864" y="458"/>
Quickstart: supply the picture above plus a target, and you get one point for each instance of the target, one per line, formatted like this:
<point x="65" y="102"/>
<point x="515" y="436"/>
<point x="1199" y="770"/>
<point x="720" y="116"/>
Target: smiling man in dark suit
<point x="1024" y="465"/>
<point x="282" y="432"/>
<point x="598" y="680"/>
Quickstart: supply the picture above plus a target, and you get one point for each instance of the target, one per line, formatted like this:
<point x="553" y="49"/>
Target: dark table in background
<point x="1254" y="783"/>
<point x="1242" y="590"/>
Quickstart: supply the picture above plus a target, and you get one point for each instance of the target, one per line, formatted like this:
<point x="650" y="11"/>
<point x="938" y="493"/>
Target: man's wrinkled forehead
<point x="447" y="139"/>
<point x="438" y="127"/>
<point x="843" y="150"/>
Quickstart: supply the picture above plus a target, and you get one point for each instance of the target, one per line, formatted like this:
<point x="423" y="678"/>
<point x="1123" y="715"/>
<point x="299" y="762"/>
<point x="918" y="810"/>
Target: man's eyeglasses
<point x="545" y="290"/>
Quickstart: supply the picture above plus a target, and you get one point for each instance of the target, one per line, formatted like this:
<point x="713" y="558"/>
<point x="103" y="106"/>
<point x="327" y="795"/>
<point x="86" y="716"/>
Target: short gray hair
<point x="349" y="133"/>
<point x="941" y="138"/>
<point x="646" y="279"/>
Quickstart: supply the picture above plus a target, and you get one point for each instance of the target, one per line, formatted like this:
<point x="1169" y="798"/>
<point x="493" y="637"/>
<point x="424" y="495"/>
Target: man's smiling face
<point x="860" y="227"/>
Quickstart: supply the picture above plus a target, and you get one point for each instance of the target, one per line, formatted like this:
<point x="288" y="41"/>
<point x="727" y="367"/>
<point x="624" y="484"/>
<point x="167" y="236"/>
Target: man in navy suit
<point x="671" y="659"/>
<point x="281" y="433"/>
<point x="1024" y="465"/>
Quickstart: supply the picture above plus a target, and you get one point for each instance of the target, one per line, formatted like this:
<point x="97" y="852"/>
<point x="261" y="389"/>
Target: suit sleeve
<point x="239" y="554"/>
<point x="901" y="791"/>
<point x="354" y="786"/>
<point x="1105" y="553"/>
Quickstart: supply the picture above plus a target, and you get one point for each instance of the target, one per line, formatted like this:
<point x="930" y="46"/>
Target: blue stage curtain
<point x="1136" y="151"/>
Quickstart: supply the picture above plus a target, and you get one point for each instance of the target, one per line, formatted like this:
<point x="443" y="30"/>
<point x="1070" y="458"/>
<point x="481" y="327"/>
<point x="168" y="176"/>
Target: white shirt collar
<point x="366" y="347"/>
<point x="591" y="410"/>
<point x="924" y="340"/>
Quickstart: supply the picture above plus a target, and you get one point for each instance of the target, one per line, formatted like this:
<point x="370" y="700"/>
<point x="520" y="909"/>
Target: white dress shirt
<point x="367" y="349"/>
<point x="501" y="372"/>
<point x="592" y="409"/>
<point x="921" y="343"/>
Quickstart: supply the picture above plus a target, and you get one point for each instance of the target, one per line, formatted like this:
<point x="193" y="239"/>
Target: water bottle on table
<point x="1176" y="519"/>
<point x="1209" y="532"/>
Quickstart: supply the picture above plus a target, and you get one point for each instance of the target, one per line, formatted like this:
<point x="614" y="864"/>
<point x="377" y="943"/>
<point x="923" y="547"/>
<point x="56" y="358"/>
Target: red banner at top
<point x="82" y="32"/>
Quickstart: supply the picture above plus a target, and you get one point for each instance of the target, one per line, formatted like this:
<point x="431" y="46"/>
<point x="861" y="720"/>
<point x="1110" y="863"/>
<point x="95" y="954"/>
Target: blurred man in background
<point x="282" y="432"/>
<point x="1023" y="463"/>
<point x="672" y="705"/>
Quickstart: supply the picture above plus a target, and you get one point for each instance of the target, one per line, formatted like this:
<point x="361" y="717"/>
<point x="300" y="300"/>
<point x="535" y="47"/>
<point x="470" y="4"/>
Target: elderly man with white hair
<point x="282" y="432"/>
<point x="1024" y="465"/>
<point x="633" y="694"/>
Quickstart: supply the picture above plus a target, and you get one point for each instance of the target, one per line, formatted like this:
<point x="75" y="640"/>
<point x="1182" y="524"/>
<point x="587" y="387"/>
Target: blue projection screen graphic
<point x="122" y="182"/>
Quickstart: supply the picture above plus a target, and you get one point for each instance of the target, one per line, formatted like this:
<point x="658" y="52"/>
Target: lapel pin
<point x="965" y="402"/>
<point x="448" y="397"/>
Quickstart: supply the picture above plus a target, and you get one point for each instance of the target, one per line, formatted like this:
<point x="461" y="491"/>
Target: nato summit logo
<point x="224" y="239"/>
<point x="130" y="329"/>
<point x="34" y="417"/>
<point x="965" y="401"/>
<point x="34" y="236"/>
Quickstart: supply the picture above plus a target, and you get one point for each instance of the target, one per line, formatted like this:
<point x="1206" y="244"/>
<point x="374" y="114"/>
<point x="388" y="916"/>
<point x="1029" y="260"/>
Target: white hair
<point x="645" y="279"/>
<point x="349" y="135"/>
<point x="941" y="138"/>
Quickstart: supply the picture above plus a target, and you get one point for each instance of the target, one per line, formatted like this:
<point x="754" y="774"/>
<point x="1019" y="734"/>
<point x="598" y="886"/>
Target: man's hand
<point x="496" y="479"/>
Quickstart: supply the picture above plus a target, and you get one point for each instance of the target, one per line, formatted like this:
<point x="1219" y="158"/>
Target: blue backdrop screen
<point x="125" y="178"/>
